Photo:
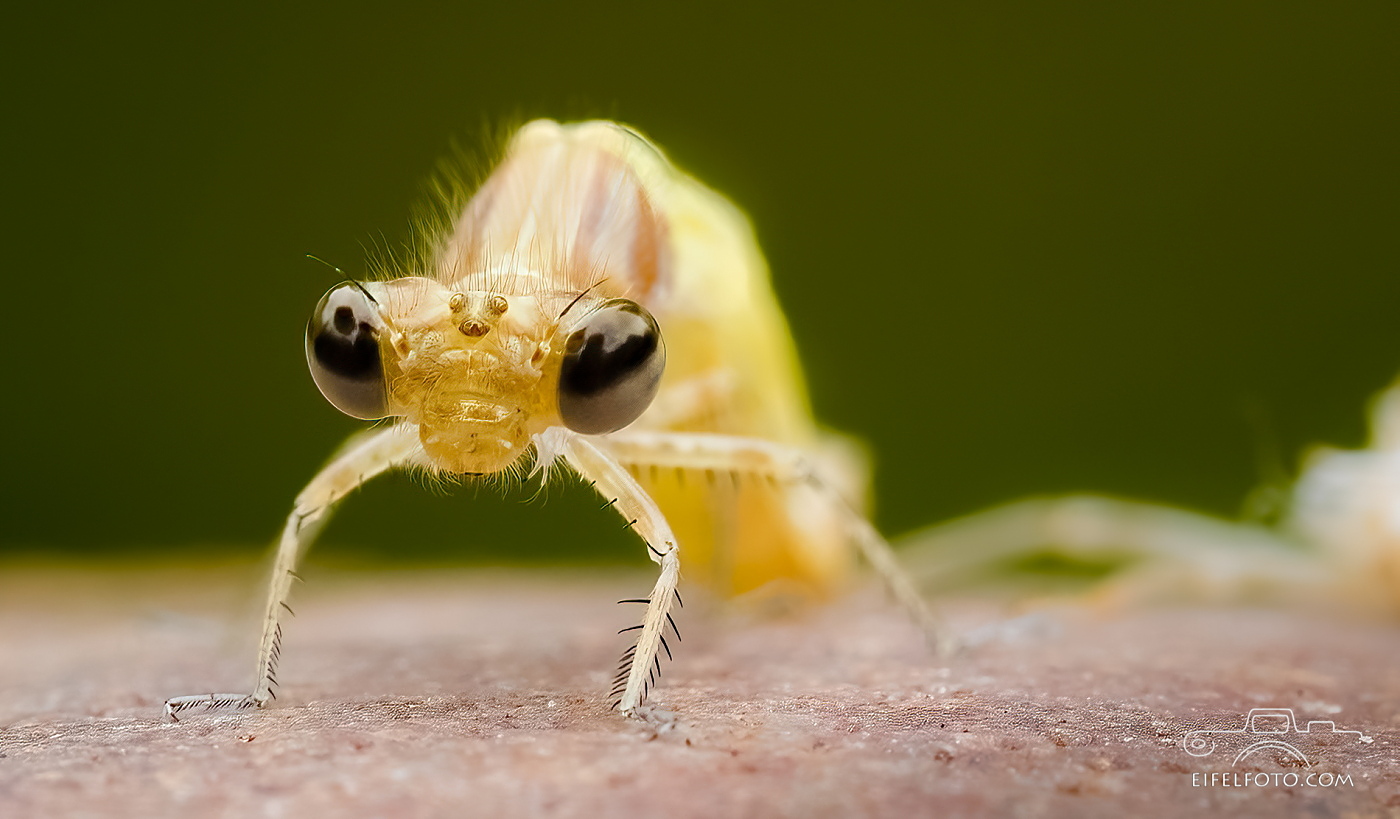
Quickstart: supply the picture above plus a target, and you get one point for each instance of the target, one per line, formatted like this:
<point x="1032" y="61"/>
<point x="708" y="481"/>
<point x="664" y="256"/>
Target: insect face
<point x="480" y="371"/>
<point x="467" y="365"/>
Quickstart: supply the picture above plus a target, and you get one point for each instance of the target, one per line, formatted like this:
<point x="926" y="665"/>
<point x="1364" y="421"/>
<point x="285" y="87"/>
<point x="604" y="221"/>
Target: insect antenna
<point x="357" y="285"/>
<point x="324" y="262"/>
<point x="578" y="298"/>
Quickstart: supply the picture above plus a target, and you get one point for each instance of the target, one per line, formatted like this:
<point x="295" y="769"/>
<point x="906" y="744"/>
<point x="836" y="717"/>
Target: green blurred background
<point x="1111" y="247"/>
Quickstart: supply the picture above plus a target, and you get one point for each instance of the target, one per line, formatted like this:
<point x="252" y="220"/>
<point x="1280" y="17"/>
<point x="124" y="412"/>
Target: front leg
<point x="642" y="514"/>
<point x="364" y="457"/>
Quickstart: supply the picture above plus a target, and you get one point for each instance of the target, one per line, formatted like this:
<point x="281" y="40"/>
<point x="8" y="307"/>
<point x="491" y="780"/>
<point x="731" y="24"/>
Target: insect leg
<point x="787" y="465"/>
<point x="1164" y="552"/>
<point x="636" y="506"/>
<point x="363" y="457"/>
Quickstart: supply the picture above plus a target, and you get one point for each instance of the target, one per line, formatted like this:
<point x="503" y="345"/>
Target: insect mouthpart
<point x="472" y="434"/>
<point x="471" y="397"/>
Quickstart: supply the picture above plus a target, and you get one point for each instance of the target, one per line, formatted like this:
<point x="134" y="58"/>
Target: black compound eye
<point x="343" y="352"/>
<point x="612" y="366"/>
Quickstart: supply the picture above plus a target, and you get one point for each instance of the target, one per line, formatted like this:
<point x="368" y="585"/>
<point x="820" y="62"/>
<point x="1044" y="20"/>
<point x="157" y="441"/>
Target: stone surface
<point x="481" y="693"/>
